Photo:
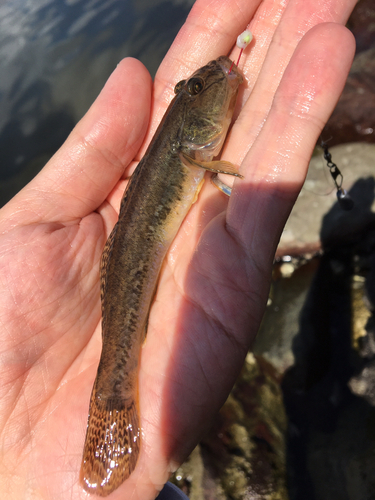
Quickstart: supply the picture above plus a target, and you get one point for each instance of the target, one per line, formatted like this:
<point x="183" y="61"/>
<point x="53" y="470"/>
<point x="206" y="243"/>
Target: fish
<point x="159" y="194"/>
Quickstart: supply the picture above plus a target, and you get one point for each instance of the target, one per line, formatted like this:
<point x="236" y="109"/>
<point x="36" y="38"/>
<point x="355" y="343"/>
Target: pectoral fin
<point x="219" y="167"/>
<point x="220" y="185"/>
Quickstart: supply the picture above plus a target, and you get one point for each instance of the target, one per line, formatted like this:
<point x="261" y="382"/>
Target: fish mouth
<point x="231" y="71"/>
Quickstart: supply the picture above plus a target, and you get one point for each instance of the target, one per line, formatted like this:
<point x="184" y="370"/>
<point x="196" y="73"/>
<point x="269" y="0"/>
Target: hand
<point x="214" y="286"/>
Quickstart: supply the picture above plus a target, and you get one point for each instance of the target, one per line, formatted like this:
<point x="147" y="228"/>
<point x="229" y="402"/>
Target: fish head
<point x="208" y="98"/>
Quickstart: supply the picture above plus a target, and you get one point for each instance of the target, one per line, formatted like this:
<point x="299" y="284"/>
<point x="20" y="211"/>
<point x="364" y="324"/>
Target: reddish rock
<point x="362" y="25"/>
<point x="354" y="116"/>
<point x="353" y="119"/>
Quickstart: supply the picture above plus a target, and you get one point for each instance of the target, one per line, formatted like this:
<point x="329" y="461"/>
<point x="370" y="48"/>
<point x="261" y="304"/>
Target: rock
<point x="341" y="228"/>
<point x="362" y="24"/>
<point x="353" y="119"/>
<point x="301" y="235"/>
<point x="319" y="332"/>
<point x="354" y="116"/>
<point x="280" y="324"/>
<point x="243" y="456"/>
<point x="331" y="447"/>
<point x="363" y="385"/>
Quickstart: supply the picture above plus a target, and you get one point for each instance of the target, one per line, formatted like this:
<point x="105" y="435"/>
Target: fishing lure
<point x="243" y="41"/>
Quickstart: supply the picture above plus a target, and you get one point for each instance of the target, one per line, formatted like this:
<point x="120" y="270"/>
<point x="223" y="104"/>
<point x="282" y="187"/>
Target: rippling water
<point x="55" y="56"/>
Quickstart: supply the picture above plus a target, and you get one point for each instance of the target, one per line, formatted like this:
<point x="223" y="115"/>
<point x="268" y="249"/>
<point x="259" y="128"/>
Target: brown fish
<point x="161" y="191"/>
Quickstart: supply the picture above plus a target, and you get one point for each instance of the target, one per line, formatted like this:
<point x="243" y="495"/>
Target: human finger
<point x="266" y="62"/>
<point x="276" y="165"/>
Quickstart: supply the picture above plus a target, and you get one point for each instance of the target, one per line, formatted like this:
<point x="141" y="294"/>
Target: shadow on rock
<point x="331" y="438"/>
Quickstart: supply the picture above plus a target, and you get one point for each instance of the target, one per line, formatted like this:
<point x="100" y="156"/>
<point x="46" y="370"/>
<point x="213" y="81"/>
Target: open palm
<point x="214" y="284"/>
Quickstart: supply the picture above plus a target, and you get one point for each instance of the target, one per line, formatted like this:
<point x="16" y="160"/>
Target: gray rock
<point x="302" y="231"/>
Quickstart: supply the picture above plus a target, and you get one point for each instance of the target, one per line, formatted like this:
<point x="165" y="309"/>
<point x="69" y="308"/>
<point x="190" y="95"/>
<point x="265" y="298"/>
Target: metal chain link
<point x="344" y="199"/>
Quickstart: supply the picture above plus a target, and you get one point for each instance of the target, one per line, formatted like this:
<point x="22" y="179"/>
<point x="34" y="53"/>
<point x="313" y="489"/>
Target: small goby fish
<point x="162" y="189"/>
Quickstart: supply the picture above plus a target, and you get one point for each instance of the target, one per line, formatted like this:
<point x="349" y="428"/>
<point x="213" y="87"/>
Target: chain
<point x="345" y="200"/>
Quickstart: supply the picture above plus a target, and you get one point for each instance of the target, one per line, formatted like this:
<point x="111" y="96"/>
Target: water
<point x="55" y="56"/>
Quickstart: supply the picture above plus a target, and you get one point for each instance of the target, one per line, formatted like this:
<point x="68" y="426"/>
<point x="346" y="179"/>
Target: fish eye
<point x="195" y="86"/>
<point x="179" y="86"/>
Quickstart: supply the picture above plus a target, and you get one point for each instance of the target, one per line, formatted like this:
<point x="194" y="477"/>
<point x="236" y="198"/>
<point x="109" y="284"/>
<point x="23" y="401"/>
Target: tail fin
<point x="112" y="445"/>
